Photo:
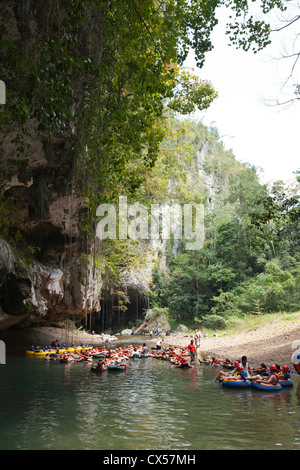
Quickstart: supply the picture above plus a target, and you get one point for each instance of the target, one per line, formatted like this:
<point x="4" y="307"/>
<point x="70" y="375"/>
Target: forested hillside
<point x="250" y="260"/>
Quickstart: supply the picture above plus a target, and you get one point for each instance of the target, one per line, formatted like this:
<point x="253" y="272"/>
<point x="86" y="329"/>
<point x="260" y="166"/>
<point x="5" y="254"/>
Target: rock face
<point x="157" y="321"/>
<point x="46" y="273"/>
<point x="43" y="294"/>
<point x="126" y="332"/>
<point x="15" y="288"/>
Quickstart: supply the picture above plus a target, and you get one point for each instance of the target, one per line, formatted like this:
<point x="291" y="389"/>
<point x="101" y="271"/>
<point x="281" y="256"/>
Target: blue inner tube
<point x="117" y="367"/>
<point x="286" y="383"/>
<point x="236" y="383"/>
<point x="266" y="387"/>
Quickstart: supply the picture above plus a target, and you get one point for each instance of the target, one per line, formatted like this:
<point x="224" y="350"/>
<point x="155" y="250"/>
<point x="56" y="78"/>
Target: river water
<point x="153" y="405"/>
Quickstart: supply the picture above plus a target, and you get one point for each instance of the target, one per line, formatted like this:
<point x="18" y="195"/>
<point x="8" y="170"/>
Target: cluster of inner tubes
<point x="109" y="358"/>
<point x="116" y="358"/>
<point x="239" y="374"/>
<point x="51" y="352"/>
<point x="179" y="357"/>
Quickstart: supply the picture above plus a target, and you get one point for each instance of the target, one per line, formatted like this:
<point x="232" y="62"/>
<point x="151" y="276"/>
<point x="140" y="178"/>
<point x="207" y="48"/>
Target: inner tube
<point x="236" y="383"/>
<point x="117" y="367"/>
<point x="286" y="383"/>
<point x="40" y="354"/>
<point x="267" y="387"/>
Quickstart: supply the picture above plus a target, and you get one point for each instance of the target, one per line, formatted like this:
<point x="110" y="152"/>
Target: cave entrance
<point x="120" y="309"/>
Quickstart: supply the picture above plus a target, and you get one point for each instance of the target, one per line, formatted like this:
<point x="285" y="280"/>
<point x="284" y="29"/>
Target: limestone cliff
<point x="45" y="267"/>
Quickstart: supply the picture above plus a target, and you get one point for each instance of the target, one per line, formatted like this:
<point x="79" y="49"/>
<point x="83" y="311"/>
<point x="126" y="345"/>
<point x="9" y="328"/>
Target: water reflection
<point x="46" y="405"/>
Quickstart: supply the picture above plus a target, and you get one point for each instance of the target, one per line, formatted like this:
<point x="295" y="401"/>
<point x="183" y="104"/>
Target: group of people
<point x="68" y="356"/>
<point x="56" y="345"/>
<point x="181" y="357"/>
<point x="107" y="357"/>
<point x="118" y="356"/>
<point x="241" y="370"/>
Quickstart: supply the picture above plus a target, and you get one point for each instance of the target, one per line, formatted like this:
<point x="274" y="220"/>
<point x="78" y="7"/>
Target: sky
<point x="263" y="135"/>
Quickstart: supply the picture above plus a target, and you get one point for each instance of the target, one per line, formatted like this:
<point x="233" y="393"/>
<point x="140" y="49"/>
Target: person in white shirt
<point x="197" y="337"/>
<point x="246" y="366"/>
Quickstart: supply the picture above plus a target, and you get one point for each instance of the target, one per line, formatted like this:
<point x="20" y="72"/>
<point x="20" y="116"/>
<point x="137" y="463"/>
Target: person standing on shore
<point x="197" y="338"/>
<point x="192" y="350"/>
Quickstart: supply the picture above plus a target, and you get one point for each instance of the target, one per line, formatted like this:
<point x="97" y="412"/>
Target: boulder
<point x="126" y="332"/>
<point x="182" y="329"/>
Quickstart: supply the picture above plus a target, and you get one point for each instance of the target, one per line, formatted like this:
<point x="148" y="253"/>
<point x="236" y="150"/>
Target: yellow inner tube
<point x="40" y="354"/>
<point x="44" y="353"/>
<point x="53" y="351"/>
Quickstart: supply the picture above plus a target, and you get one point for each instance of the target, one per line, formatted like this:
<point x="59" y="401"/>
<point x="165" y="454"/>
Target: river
<point x="153" y="405"/>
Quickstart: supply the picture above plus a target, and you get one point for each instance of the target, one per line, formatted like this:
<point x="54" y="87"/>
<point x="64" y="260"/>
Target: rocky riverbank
<point x="269" y="343"/>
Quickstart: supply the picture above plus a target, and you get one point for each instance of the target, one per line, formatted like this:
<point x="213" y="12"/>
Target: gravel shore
<point x="270" y="343"/>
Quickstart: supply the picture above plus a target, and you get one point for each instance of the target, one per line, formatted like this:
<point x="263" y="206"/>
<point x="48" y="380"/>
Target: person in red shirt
<point x="191" y="348"/>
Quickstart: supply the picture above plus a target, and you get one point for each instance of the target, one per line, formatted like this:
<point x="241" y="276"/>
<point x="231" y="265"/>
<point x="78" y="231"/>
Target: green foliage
<point x="250" y="259"/>
<point x="257" y="309"/>
<point x="126" y="89"/>
<point x="225" y="305"/>
<point x="214" y="322"/>
<point x="245" y="30"/>
<point x="155" y="313"/>
<point x="39" y="80"/>
<point x="126" y="144"/>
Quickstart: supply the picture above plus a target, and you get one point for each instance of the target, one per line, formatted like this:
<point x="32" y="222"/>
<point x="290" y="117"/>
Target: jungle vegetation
<point x="126" y="141"/>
